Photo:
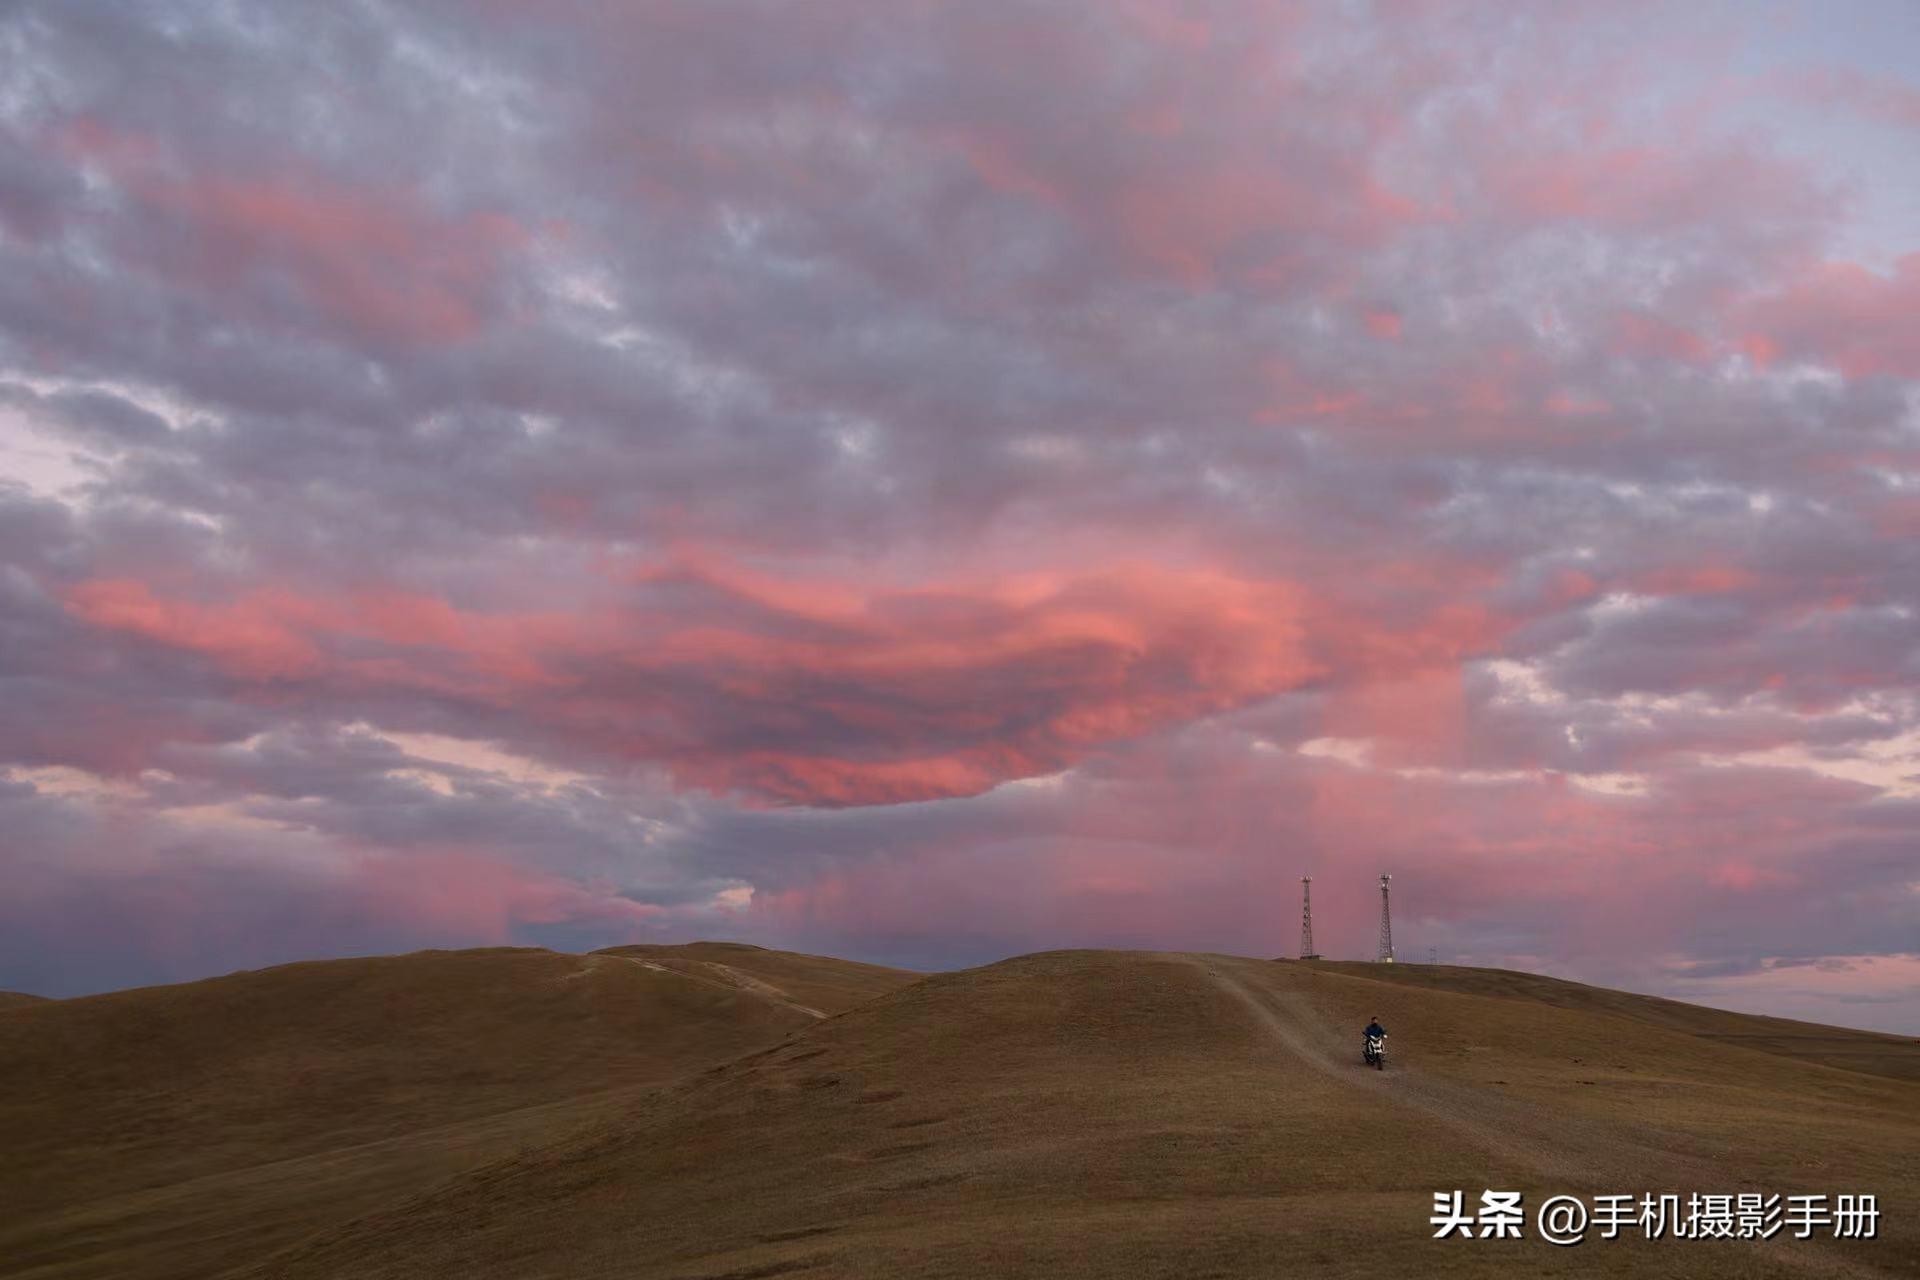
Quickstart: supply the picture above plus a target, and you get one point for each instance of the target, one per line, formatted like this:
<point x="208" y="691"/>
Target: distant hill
<point x="19" y="999"/>
<point x="168" y="1131"/>
<point x="1098" y="1114"/>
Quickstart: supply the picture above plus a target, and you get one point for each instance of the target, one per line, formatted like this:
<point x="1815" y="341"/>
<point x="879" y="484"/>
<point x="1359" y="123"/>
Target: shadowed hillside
<point x="172" y="1130"/>
<point x="1102" y="1114"/>
<point x="19" y="999"/>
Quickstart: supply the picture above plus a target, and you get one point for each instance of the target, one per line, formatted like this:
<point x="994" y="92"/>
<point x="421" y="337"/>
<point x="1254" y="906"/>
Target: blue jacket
<point x="1375" y="1029"/>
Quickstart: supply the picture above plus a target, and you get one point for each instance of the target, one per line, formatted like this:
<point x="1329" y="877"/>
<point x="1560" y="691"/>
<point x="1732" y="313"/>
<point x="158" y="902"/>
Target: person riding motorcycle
<point x="1376" y="1035"/>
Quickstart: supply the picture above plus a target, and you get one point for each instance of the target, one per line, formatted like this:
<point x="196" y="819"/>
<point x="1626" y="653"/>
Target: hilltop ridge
<point x="1088" y="1113"/>
<point x="718" y="1110"/>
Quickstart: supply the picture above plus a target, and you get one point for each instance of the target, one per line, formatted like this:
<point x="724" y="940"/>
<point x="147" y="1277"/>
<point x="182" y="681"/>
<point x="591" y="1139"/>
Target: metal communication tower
<point x="1386" y="924"/>
<point x="1306" y="919"/>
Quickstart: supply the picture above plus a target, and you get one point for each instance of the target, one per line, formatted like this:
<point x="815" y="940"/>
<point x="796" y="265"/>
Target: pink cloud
<point x="1384" y="324"/>
<point x="1646" y="336"/>
<point x="1843" y="315"/>
<point x="374" y="261"/>
<point x="1149" y="852"/>
<point x="1102" y="399"/>
<point x="1875" y="97"/>
<point x="260" y="638"/>
<point x="887" y="693"/>
<point x="457" y="893"/>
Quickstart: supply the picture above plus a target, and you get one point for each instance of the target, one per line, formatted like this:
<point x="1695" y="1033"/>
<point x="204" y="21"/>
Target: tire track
<point x="747" y="982"/>
<point x="730" y="979"/>
<point x="1549" y="1144"/>
<point x="1500" y="1126"/>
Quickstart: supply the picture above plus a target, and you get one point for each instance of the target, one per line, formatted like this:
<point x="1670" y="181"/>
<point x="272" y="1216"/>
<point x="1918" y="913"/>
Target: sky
<point x="929" y="482"/>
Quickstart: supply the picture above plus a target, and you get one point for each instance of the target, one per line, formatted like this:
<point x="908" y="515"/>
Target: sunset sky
<point x="926" y="482"/>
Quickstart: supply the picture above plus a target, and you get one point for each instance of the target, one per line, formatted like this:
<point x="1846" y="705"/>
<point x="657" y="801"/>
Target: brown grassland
<point x="721" y="1112"/>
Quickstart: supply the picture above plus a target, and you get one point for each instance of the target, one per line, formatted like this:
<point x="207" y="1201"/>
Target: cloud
<point x="806" y="691"/>
<point x="911" y="480"/>
<point x="1843" y="316"/>
<point x="358" y="259"/>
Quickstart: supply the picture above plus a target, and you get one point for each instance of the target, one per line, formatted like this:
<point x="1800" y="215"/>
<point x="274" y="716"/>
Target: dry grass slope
<point x="181" y="1130"/>
<point x="1103" y="1114"/>
<point x="1832" y="1046"/>
<point x="723" y="1112"/>
<point x="817" y="985"/>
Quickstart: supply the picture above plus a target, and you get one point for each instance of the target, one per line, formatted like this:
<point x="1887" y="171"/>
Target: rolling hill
<point x="1100" y="1114"/>
<point x="1062" y="1114"/>
<point x="177" y="1130"/>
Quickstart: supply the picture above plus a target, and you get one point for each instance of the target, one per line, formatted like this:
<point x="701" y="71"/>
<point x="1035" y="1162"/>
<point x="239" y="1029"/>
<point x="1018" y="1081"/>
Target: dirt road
<point x="1555" y="1147"/>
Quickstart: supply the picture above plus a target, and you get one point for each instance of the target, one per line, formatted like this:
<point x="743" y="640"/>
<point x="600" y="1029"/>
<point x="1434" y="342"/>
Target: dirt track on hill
<point x="1570" y="1156"/>
<point x="1509" y="1129"/>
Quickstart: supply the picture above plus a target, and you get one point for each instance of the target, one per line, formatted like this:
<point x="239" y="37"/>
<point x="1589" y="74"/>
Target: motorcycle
<point x="1375" y="1052"/>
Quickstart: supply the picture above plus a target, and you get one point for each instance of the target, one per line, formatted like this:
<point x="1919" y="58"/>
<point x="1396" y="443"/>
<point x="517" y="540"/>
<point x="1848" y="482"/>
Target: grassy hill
<point x="1136" y="1114"/>
<point x="715" y="1112"/>
<point x="175" y="1130"/>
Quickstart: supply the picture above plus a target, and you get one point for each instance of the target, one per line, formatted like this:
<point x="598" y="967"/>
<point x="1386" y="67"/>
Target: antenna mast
<point x="1306" y="919"/>
<point x="1386" y="924"/>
